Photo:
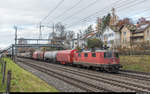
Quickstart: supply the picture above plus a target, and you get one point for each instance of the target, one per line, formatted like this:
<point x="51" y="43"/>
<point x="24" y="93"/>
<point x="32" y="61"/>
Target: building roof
<point x="143" y="27"/>
<point x="89" y="35"/>
<point x="130" y="27"/>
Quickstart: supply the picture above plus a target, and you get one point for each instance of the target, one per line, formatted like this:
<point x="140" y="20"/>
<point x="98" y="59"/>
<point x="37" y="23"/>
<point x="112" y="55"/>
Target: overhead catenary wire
<point x="96" y="12"/>
<point x="69" y="9"/>
<point x="59" y="3"/>
<point x="125" y="7"/>
<point x="141" y="12"/>
<point x="101" y="11"/>
<point x="89" y="5"/>
<point x="132" y="5"/>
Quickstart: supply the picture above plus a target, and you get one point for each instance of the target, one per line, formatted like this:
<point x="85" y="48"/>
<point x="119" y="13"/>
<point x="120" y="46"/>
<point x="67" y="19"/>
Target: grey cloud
<point x="29" y="12"/>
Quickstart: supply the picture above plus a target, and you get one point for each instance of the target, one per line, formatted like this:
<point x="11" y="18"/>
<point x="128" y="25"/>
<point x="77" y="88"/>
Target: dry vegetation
<point x="136" y="62"/>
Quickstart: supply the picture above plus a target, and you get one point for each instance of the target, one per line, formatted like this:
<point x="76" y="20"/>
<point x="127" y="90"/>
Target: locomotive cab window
<point x="86" y="55"/>
<point x="93" y="54"/>
<point x="79" y="55"/>
<point x="116" y="55"/>
<point x="107" y="54"/>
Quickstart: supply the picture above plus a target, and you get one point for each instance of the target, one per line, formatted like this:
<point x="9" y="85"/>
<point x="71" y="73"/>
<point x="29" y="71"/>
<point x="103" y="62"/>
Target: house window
<point x="109" y="35"/>
<point x="124" y="33"/>
<point x="97" y="35"/>
<point x="86" y="55"/>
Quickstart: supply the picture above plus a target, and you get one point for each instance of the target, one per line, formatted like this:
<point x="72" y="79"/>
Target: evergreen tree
<point x="94" y="43"/>
<point x="89" y="30"/>
<point x="106" y="21"/>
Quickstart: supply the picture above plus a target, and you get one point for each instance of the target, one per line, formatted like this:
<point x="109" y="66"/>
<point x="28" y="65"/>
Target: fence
<point x="5" y="81"/>
<point x="132" y="48"/>
<point x="134" y="52"/>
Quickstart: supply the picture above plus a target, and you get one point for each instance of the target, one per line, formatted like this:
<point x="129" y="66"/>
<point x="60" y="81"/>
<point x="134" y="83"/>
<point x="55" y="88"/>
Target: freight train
<point x="99" y="59"/>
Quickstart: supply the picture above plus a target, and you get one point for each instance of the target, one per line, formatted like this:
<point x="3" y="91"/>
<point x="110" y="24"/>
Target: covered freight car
<point x="65" y="56"/>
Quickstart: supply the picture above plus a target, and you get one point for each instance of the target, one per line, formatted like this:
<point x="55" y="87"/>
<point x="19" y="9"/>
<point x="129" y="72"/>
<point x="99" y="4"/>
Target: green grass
<point x="136" y="63"/>
<point x="2" y="88"/>
<point x="24" y="81"/>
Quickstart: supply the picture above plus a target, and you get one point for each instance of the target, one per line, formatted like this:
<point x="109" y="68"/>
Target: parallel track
<point x="73" y="81"/>
<point x="101" y="78"/>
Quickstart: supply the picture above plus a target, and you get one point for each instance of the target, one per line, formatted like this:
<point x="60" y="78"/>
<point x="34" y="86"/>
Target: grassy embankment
<point x="23" y="81"/>
<point x="136" y="63"/>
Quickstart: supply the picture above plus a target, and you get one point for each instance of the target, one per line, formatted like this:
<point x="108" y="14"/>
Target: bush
<point x="94" y="43"/>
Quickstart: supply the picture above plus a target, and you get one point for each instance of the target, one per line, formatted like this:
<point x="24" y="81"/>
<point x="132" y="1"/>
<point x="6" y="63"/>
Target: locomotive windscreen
<point x="110" y="54"/>
<point x="116" y="55"/>
<point x="107" y="54"/>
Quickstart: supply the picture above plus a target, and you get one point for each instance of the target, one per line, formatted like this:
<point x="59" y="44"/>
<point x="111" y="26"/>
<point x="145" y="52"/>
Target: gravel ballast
<point x="58" y="84"/>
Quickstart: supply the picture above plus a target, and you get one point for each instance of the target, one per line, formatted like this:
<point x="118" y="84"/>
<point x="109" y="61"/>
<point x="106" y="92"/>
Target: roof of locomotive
<point x="66" y="51"/>
<point x="100" y="51"/>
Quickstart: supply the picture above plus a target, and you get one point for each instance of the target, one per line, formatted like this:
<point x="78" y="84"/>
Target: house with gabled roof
<point x="111" y="36"/>
<point x="125" y="34"/>
<point x="132" y="36"/>
<point x="140" y="35"/>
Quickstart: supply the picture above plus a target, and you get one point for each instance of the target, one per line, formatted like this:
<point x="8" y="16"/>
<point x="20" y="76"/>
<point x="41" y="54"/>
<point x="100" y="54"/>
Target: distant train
<point x="101" y="59"/>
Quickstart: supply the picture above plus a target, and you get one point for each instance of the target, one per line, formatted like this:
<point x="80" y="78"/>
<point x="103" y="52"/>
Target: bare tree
<point x="60" y="28"/>
<point x="70" y="34"/>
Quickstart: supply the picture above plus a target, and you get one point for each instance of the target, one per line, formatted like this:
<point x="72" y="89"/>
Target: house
<point x="126" y="33"/>
<point x="111" y="37"/>
<point x="141" y="35"/>
<point x="132" y="36"/>
<point x="73" y="43"/>
<point x="147" y="34"/>
<point x="83" y="39"/>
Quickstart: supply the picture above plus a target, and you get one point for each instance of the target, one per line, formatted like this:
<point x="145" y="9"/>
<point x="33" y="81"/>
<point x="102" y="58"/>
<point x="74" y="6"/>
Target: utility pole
<point x="40" y="32"/>
<point x="16" y="29"/>
<point x="78" y="39"/>
<point x="53" y="29"/>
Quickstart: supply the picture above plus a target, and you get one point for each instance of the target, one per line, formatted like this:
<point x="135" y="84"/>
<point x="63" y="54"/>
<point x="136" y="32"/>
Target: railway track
<point x="136" y="72"/>
<point x="101" y="78"/>
<point x="73" y="81"/>
<point x="135" y="75"/>
<point x="129" y="74"/>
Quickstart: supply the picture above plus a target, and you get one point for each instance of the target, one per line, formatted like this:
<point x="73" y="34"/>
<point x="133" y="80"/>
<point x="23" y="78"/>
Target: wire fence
<point x="6" y="78"/>
<point x="132" y="48"/>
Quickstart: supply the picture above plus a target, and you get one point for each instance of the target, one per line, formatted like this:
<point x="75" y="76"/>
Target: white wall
<point x="109" y="35"/>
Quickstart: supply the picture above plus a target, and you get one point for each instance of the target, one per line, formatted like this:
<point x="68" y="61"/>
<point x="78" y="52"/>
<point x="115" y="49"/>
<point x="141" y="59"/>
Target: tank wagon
<point x="101" y="59"/>
<point x="50" y="56"/>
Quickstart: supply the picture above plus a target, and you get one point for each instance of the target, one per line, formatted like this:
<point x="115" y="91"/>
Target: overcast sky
<point x="27" y="14"/>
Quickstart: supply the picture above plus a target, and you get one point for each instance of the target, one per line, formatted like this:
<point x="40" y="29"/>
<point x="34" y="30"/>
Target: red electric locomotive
<point x="102" y="59"/>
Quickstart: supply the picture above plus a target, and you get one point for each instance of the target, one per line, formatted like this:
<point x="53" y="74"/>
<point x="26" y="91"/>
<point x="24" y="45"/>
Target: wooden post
<point x="8" y="81"/>
<point x="1" y="66"/>
<point x="4" y="70"/>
